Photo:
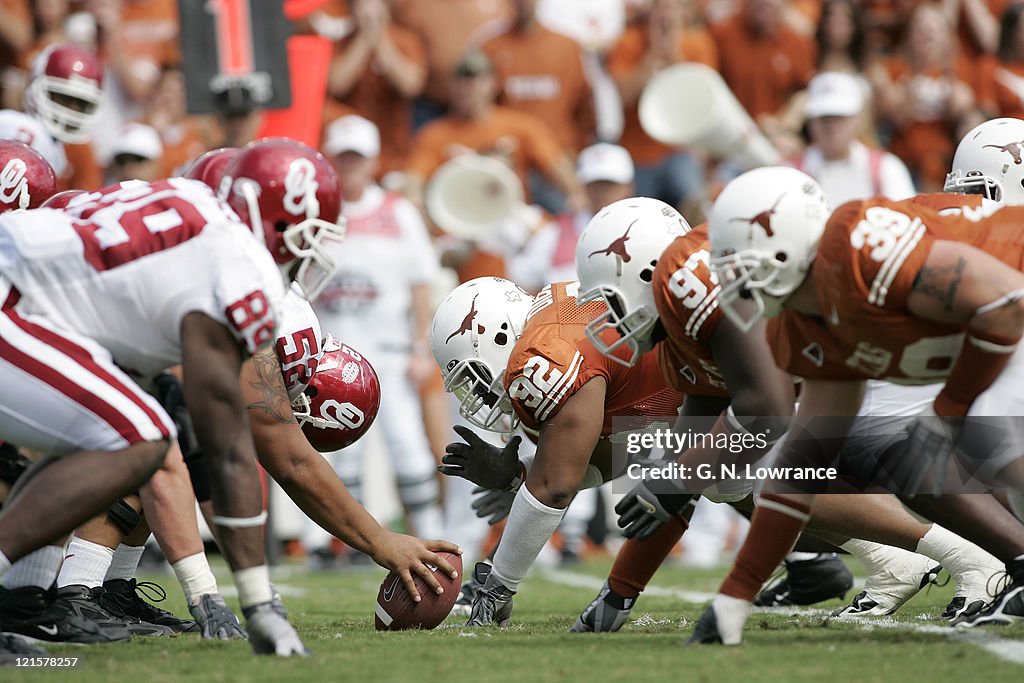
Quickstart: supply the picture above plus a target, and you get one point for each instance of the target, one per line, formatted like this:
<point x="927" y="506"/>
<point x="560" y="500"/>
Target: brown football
<point x="396" y="611"/>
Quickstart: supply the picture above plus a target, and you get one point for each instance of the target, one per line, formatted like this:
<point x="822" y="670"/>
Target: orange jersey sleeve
<point x="553" y="359"/>
<point x="686" y="295"/>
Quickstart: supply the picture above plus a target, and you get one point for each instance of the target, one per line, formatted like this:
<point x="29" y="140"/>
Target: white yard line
<point x="1003" y="648"/>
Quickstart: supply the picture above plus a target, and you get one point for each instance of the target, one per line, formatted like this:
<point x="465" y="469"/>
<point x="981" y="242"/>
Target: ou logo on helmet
<point x="300" y="188"/>
<point x="345" y="414"/>
<point x="13" y="184"/>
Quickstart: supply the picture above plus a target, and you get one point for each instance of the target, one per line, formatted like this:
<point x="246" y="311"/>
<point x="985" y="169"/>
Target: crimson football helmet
<point x="62" y="199"/>
<point x="208" y="167"/>
<point x="291" y="197"/>
<point x="341" y="401"/>
<point x="65" y="90"/>
<point x="26" y="178"/>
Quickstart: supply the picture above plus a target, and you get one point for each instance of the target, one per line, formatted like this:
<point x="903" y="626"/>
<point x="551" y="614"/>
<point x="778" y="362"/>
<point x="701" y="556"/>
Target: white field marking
<point x="1003" y="648"/>
<point x="230" y="591"/>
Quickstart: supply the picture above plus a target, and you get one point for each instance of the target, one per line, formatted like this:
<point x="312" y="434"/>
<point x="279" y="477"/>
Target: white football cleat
<point x="899" y="577"/>
<point x="974" y="570"/>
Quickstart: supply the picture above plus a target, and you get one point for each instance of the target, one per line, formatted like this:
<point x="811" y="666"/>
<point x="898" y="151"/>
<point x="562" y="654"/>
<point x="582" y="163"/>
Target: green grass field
<point x="333" y="612"/>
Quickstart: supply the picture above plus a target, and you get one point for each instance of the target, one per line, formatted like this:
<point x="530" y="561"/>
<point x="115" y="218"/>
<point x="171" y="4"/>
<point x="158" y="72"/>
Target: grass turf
<point x="333" y="613"/>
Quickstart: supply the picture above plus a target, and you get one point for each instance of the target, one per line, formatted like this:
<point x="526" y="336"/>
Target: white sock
<point x="5" y="564"/>
<point x="85" y="564"/>
<point x="39" y="568"/>
<point x="125" y="562"/>
<point x="953" y="552"/>
<point x="530" y="525"/>
<point x="195" y="577"/>
<point x="253" y="586"/>
<point x="875" y="556"/>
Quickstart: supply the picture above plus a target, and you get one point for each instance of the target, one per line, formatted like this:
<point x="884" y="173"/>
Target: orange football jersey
<point x="867" y="261"/>
<point x="686" y="295"/>
<point x="553" y="359"/>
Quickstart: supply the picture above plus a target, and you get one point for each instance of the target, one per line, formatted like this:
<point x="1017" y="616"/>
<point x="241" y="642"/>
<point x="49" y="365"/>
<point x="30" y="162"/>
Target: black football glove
<point x="642" y="512"/>
<point x="492" y="504"/>
<point x="485" y="465"/>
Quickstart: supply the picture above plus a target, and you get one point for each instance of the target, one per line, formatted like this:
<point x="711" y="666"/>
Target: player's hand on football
<point x="485" y="465"/>
<point x="493" y="504"/>
<point x="408" y="556"/>
<point x="642" y="511"/>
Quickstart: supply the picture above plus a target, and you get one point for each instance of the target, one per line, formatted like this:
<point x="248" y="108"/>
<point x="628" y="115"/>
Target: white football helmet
<point x="990" y="161"/>
<point x="615" y="260"/>
<point x="764" y="230"/>
<point x="472" y="336"/>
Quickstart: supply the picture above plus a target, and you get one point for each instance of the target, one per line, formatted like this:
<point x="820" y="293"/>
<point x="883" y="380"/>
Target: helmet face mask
<point x="746" y="294"/>
<point x="632" y="329"/>
<point x="483" y="401"/>
<point x="973" y="182"/>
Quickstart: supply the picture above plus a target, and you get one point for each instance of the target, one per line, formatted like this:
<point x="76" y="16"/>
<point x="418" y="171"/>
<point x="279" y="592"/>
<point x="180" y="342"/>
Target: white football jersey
<point x="299" y="344"/>
<point x="126" y="266"/>
<point x="17" y="125"/>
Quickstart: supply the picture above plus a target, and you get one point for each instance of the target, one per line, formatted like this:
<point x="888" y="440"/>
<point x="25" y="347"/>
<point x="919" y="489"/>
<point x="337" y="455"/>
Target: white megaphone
<point x="471" y="196"/>
<point x="690" y="104"/>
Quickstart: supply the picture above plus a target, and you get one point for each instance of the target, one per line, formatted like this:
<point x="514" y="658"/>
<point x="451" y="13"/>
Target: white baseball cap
<point x="138" y="139"/>
<point x="604" y="161"/>
<point x="352" y="134"/>
<point x="833" y="93"/>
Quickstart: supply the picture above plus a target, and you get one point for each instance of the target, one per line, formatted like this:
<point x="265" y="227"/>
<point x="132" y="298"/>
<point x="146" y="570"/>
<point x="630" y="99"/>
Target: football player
<point x="62" y="101"/>
<point x="297" y="356"/>
<point x="68" y="328"/>
<point x="509" y="357"/>
<point x="725" y="373"/>
<point x="876" y="290"/>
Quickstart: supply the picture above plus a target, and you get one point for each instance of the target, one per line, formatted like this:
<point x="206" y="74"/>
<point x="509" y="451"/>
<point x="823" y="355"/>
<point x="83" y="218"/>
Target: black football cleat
<point x="86" y="602"/>
<point x="1006" y="608"/>
<point x="38" y="615"/>
<point x="121" y="596"/>
<point x="808" y="582"/>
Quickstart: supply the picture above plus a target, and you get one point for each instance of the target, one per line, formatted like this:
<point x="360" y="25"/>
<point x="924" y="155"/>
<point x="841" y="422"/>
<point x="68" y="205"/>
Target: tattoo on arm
<point x="942" y="282"/>
<point x="270" y="385"/>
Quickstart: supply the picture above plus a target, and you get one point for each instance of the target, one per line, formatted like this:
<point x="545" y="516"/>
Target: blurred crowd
<point x="868" y="96"/>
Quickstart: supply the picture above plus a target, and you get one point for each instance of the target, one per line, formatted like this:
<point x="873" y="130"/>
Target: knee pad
<point x="124" y="517"/>
<point x="419" y="492"/>
<point x="199" y="475"/>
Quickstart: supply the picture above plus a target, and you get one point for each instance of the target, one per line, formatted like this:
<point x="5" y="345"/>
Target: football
<point x="396" y="611"/>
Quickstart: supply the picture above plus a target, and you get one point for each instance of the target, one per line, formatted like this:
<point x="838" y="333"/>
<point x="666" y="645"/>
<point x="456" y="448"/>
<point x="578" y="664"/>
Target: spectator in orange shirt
<point x="541" y="72"/>
<point x="1002" y="76"/>
<point x="923" y="95"/>
<point x="448" y="28"/>
<point x="475" y="123"/>
<point x="668" y="34"/>
<point x="16" y="32"/>
<point x="762" y="60"/>
<point x="377" y="70"/>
